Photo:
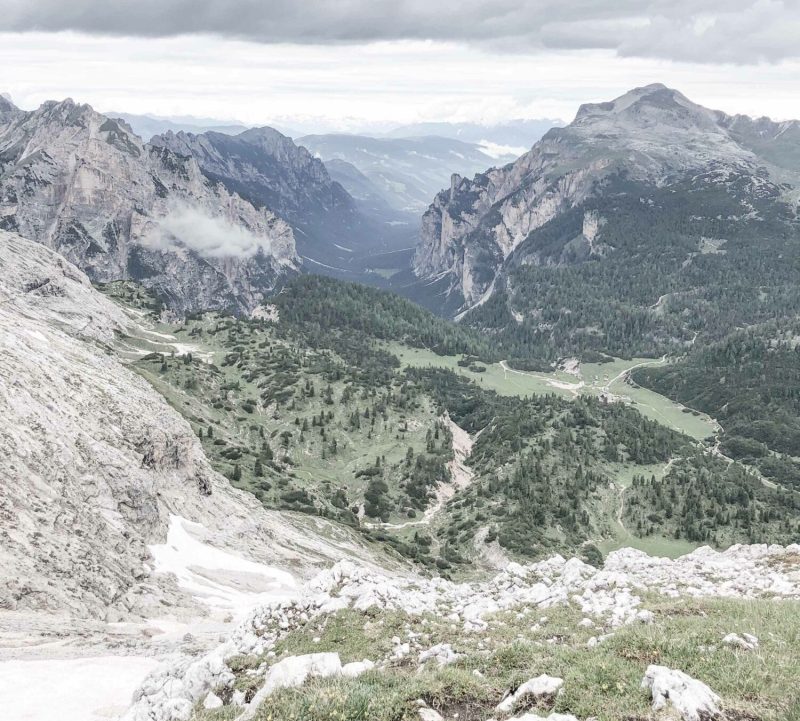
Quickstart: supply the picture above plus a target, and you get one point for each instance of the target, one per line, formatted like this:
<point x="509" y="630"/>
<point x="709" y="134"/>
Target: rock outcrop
<point x="83" y="184"/>
<point x="692" y="699"/>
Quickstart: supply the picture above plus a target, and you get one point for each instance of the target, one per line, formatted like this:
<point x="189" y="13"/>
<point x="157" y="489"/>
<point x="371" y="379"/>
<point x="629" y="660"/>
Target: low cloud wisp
<point x="189" y="227"/>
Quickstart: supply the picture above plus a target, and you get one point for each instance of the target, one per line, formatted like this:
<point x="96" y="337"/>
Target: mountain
<point x="146" y="126"/>
<point x="96" y="465"/>
<point x="86" y="186"/>
<point x="269" y="170"/>
<point x="562" y="204"/>
<point x="510" y="136"/>
<point x="350" y="404"/>
<point x="409" y="171"/>
<point x="368" y="194"/>
<point x="649" y="227"/>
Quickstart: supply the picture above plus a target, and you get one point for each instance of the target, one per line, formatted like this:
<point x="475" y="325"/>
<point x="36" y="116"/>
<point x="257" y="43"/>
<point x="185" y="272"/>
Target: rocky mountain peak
<point x="82" y="183"/>
<point x="652" y="107"/>
<point x="6" y="103"/>
<point x="653" y="135"/>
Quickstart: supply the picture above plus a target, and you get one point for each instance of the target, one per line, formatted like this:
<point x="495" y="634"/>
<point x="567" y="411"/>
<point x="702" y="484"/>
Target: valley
<point x="311" y="411"/>
<point x="325" y="417"/>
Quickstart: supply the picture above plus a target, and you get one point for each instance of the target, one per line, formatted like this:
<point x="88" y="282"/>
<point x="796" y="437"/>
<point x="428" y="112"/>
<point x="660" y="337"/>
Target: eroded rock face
<point x="86" y="186"/>
<point x="94" y="462"/>
<point x="652" y="134"/>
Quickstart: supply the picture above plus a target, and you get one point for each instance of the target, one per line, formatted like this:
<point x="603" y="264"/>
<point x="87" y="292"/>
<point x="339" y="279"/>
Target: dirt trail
<point x="607" y="387"/>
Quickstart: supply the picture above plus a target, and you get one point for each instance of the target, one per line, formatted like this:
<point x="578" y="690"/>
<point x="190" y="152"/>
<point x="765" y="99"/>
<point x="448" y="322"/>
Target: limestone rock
<point x="536" y="688"/>
<point x="212" y="701"/>
<point x="428" y="714"/>
<point x="745" y="642"/>
<point x="692" y="699"/>
<point x="442" y="653"/>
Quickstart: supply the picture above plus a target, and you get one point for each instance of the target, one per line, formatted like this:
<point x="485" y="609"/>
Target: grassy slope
<point x="602" y="681"/>
<point x="222" y="398"/>
<point x="596" y="378"/>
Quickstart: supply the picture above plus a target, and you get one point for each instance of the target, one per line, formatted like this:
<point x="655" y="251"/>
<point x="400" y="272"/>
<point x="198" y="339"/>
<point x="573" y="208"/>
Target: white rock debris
<point x="295" y="670"/>
<point x="536" y="688"/>
<point x="692" y="699"/>
<point x="428" y="714"/>
<point x="442" y="653"/>
<point x="746" y="642"/>
<point x="607" y="596"/>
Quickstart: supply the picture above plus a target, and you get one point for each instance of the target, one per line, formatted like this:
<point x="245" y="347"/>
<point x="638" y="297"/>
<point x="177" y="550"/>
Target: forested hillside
<point x="750" y="382"/>
<point x="306" y="406"/>
<point x="666" y="266"/>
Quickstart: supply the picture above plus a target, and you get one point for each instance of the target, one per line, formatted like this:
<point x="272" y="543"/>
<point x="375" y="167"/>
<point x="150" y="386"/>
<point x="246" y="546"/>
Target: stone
<point x="292" y="672"/>
<point x="692" y="699"/>
<point x="536" y="688"/>
<point x="356" y="668"/>
<point x="745" y="642"/>
<point x="212" y="701"/>
<point x="442" y="653"/>
<point x="428" y="714"/>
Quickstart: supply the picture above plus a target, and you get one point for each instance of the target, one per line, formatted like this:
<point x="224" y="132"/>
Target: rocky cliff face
<point x="86" y="186"/>
<point x="94" y="462"/>
<point x="651" y="135"/>
<point x="269" y="170"/>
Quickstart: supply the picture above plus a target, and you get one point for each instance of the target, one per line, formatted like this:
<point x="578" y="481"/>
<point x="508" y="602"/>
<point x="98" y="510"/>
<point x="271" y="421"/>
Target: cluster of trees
<point x="749" y="382"/>
<point x="704" y="499"/>
<point x="318" y="306"/>
<point x="539" y="462"/>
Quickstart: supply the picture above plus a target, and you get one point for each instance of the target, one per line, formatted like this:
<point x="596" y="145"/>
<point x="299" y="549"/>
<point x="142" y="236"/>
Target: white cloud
<point x="357" y="86"/>
<point x="211" y="237"/>
<point x="495" y="150"/>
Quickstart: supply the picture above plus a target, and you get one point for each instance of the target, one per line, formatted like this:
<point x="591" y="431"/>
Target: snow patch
<point x="217" y="578"/>
<point x="78" y="689"/>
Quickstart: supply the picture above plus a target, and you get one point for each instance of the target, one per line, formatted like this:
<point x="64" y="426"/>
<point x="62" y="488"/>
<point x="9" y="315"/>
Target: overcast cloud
<point x="701" y="31"/>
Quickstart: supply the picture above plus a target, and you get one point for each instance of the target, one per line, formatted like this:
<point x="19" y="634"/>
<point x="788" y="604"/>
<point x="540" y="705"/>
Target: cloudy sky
<point x="368" y="63"/>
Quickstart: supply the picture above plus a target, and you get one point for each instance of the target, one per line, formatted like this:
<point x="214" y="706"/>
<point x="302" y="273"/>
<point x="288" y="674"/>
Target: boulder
<point x="442" y="653"/>
<point x="428" y="714"/>
<point x="692" y="699"/>
<point x="212" y="701"/>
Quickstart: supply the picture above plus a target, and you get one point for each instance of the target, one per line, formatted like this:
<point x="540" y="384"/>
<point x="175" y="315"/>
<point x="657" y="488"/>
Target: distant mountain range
<point x="206" y="220"/>
<point x="405" y="172"/>
<point x="146" y="126"/>
<point x="511" y="137"/>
